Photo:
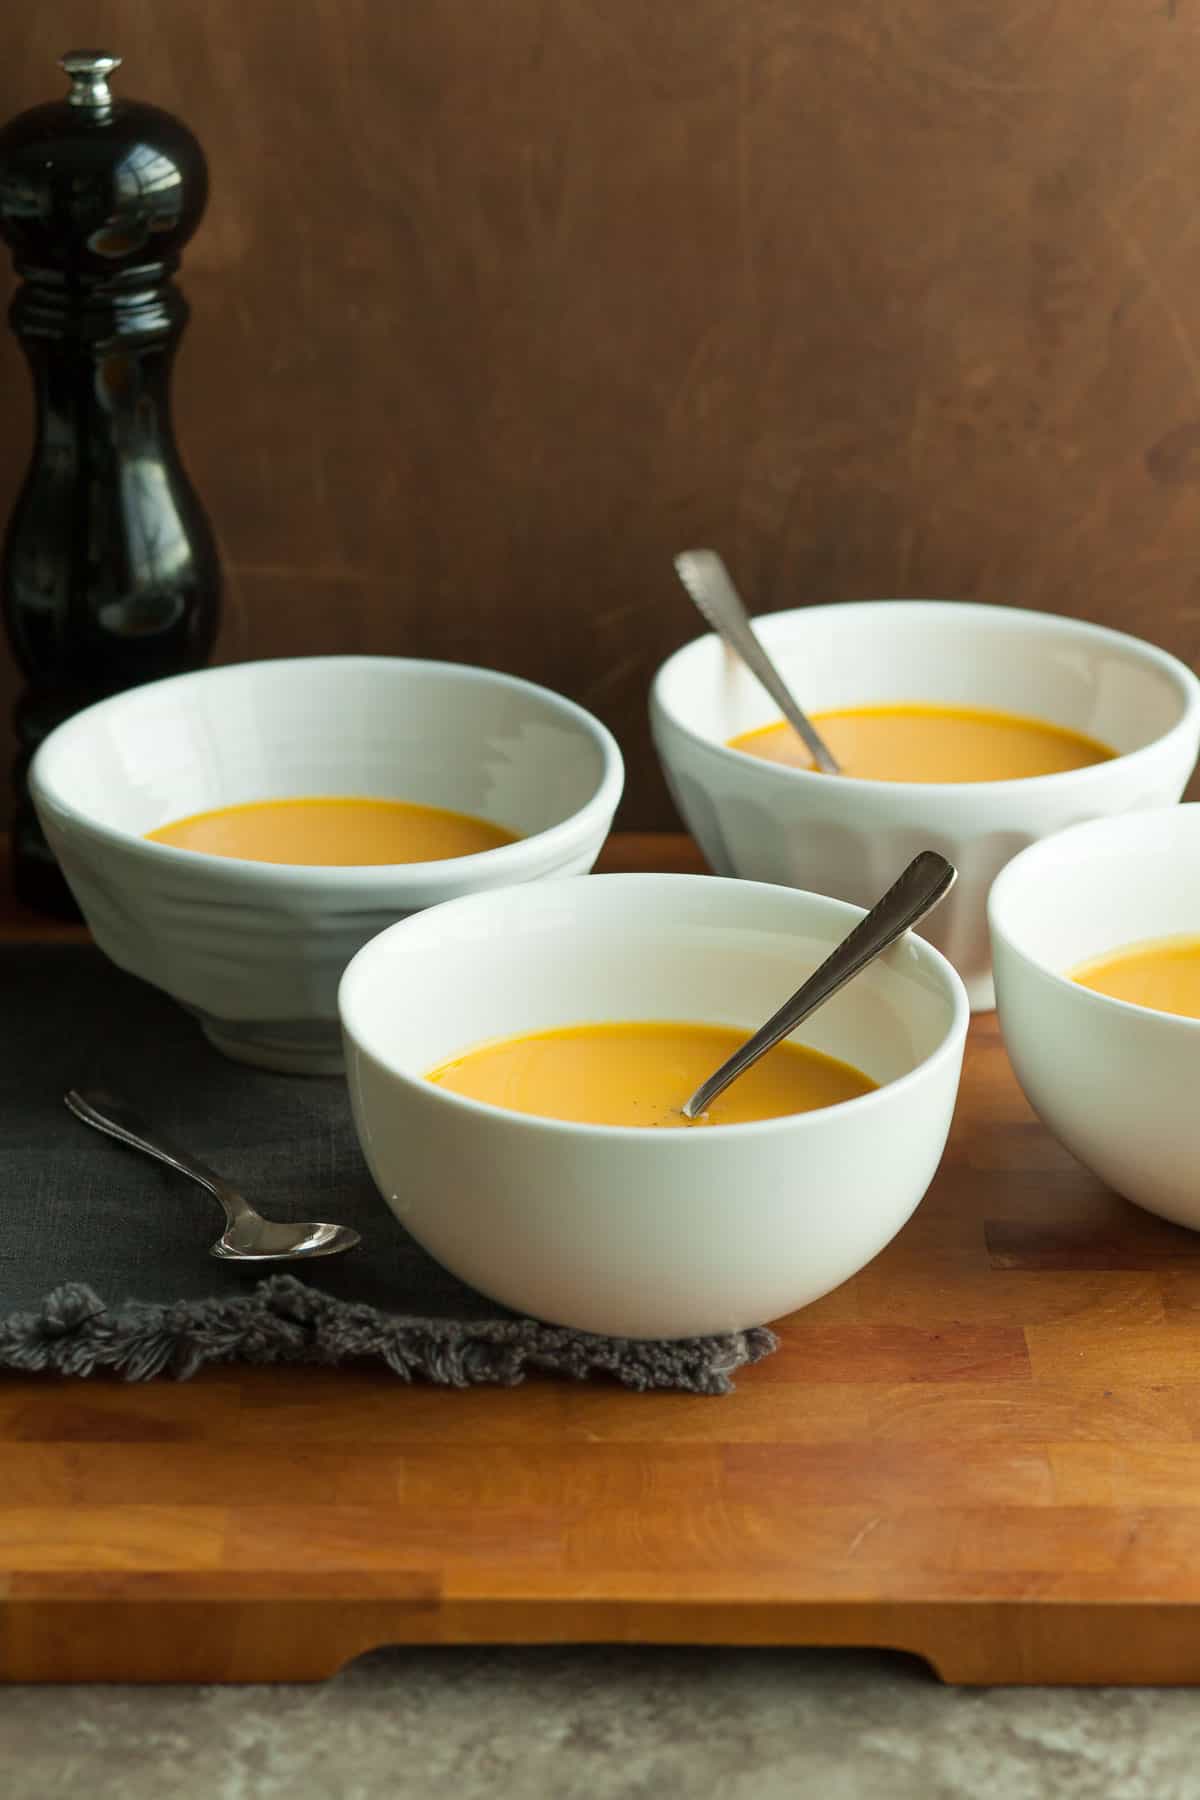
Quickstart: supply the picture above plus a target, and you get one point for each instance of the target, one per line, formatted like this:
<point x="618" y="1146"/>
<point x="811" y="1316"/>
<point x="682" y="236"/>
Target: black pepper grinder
<point x="109" y="574"/>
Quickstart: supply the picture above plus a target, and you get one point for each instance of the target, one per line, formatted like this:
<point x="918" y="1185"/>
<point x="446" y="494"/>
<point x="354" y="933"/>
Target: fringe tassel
<point x="73" y="1332"/>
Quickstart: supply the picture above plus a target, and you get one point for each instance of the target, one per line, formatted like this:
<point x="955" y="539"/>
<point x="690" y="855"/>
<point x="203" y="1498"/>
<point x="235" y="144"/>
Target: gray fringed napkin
<point x="84" y="1223"/>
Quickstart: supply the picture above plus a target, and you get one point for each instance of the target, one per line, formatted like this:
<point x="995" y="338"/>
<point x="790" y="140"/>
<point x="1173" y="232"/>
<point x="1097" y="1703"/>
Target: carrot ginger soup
<point x="332" y="828"/>
<point x="640" y="1073"/>
<point x="1162" y="973"/>
<point x="930" y="743"/>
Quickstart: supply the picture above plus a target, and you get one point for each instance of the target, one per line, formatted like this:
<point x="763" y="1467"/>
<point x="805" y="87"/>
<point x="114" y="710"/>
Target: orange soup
<point x="333" y="828"/>
<point x="640" y="1073"/>
<point x="930" y="743"/>
<point x="1162" y="973"/>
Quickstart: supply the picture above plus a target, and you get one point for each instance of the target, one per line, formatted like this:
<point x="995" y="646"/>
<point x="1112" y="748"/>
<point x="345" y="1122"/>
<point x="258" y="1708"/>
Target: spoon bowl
<point x="247" y="1237"/>
<point x="256" y="1239"/>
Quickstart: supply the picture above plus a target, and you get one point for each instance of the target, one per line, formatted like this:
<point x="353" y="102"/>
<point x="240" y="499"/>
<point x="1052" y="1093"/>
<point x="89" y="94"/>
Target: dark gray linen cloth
<point x="104" y="1259"/>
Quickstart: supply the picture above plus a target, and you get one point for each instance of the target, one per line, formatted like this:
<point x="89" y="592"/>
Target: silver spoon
<point x="718" y="602"/>
<point x="248" y="1237"/>
<point x="927" y="880"/>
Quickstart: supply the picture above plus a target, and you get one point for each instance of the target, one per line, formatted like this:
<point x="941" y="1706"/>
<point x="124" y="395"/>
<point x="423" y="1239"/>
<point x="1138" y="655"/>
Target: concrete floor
<point x="603" y="1724"/>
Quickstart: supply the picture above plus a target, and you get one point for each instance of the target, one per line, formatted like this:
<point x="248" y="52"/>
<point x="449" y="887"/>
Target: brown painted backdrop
<point x="499" y="302"/>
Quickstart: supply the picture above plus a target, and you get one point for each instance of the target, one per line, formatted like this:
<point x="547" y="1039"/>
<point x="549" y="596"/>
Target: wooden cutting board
<point x="984" y="1450"/>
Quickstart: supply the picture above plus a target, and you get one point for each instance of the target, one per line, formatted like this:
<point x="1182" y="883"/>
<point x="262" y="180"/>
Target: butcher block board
<point x="983" y="1450"/>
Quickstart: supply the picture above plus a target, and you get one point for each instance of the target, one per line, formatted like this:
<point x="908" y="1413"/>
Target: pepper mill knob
<point x="89" y="71"/>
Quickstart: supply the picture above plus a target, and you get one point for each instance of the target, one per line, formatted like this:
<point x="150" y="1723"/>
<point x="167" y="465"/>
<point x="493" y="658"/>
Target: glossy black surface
<point x="109" y="572"/>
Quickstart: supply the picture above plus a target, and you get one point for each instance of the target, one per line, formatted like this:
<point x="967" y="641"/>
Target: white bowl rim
<point x="1010" y="618"/>
<point x="599" y="807"/>
<point x="946" y="1048"/>
<point x="1113" y="826"/>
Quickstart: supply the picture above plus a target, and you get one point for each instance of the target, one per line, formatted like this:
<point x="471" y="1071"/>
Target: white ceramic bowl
<point x="1118" y="1084"/>
<point x="844" y="837"/>
<point x="649" y="1234"/>
<point x="256" y="949"/>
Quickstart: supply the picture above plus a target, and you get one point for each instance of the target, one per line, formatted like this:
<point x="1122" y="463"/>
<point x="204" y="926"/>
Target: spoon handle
<point x="116" y="1120"/>
<point x="714" y="596"/>
<point x="927" y="879"/>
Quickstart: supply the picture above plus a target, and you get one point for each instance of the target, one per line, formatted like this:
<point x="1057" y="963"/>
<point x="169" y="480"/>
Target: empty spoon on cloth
<point x="247" y="1237"/>
<point x="710" y="586"/>
<point x="927" y="880"/>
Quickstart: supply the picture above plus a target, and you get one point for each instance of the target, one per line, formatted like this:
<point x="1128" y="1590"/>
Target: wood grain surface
<point x="985" y="1450"/>
<point x="497" y="306"/>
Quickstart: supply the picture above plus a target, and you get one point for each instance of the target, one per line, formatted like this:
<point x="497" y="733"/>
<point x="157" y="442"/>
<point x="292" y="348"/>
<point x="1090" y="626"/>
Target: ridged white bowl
<point x="1118" y="1084"/>
<point x="256" y="950"/>
<point x="648" y="1234"/>
<point x="845" y="837"/>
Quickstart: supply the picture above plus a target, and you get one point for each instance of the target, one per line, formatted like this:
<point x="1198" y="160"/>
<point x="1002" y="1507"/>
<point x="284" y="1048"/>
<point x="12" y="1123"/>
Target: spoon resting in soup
<point x="925" y="743"/>
<point x="637" y="1072"/>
